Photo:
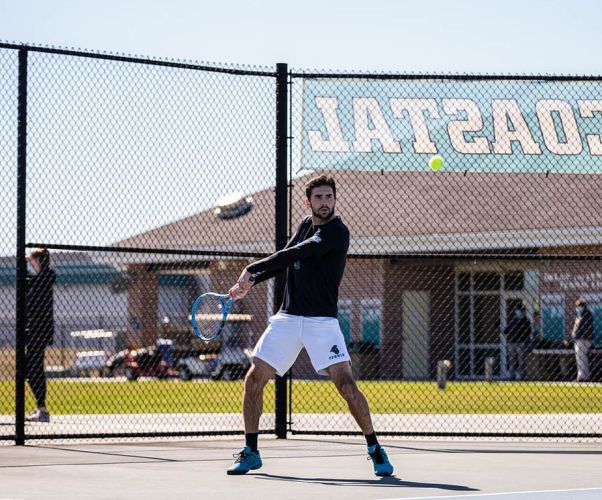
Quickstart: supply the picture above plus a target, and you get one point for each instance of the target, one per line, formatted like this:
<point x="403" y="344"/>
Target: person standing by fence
<point x="582" y="335"/>
<point x="40" y="326"/>
<point x="518" y="334"/>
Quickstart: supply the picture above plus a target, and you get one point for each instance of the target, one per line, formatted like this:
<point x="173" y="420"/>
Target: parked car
<point x="231" y="363"/>
<point x="145" y="362"/>
<point x="116" y="363"/>
<point x="160" y="360"/>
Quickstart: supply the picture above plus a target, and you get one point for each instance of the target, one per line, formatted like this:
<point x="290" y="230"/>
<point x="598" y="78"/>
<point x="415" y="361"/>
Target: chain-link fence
<point x="458" y="301"/>
<point x="152" y="181"/>
<point x="138" y="177"/>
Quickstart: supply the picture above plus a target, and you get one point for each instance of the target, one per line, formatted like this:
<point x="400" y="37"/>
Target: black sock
<point x="371" y="439"/>
<point x="251" y="440"/>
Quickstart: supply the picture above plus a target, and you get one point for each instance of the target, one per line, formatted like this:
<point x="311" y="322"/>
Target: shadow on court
<point x="386" y="482"/>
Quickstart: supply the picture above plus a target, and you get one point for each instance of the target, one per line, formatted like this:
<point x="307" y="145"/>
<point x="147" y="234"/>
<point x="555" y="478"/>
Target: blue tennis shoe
<point x="245" y="461"/>
<point x="380" y="460"/>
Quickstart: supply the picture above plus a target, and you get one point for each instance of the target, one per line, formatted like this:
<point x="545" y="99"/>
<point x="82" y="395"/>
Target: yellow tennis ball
<point x="436" y="162"/>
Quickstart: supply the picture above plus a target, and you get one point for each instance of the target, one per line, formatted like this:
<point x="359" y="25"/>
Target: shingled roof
<point x="394" y="212"/>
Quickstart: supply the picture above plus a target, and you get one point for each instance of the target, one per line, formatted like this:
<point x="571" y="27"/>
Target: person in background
<point x="40" y="326"/>
<point x="518" y="336"/>
<point x="582" y="335"/>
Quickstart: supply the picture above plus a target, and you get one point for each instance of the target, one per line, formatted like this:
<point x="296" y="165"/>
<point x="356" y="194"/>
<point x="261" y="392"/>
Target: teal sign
<point x="503" y="126"/>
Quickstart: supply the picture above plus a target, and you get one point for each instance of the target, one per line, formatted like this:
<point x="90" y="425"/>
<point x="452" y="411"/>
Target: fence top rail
<point x="137" y="60"/>
<point x="444" y="76"/>
<point x="298" y="73"/>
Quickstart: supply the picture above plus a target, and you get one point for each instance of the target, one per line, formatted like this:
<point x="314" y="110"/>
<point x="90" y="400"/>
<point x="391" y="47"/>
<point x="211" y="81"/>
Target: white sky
<point x="499" y="36"/>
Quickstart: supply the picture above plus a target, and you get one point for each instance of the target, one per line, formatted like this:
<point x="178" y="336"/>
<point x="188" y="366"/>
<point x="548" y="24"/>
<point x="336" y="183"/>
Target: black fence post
<point x="21" y="306"/>
<point x="281" y="221"/>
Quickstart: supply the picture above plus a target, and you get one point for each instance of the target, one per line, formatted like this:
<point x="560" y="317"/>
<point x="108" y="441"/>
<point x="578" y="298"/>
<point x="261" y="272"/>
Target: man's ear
<point x="307" y="203"/>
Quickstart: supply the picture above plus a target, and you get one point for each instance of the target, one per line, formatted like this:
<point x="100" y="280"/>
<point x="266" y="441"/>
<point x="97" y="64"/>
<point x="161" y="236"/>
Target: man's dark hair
<point x="42" y="255"/>
<point x="321" y="180"/>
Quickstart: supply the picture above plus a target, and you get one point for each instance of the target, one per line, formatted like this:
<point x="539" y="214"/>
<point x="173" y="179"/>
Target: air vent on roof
<point x="233" y="205"/>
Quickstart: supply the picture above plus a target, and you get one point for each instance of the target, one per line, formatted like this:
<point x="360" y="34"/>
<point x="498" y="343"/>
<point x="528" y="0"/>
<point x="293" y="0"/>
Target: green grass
<point x="78" y="396"/>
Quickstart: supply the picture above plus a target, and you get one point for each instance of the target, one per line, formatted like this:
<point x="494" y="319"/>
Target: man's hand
<point x="237" y="293"/>
<point x="245" y="282"/>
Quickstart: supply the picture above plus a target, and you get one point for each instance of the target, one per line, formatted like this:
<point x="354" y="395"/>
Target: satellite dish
<point x="233" y="205"/>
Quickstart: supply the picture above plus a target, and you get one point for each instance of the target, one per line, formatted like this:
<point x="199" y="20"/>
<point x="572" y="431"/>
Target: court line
<point x="508" y="493"/>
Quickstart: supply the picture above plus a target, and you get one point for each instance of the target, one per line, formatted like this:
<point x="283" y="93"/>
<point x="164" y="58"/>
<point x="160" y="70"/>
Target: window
<point x="552" y="317"/>
<point x="486" y="281"/>
<point x="345" y="317"/>
<point x="464" y="282"/>
<point x="370" y="321"/>
<point x="484" y="296"/>
<point x="487" y="319"/>
<point x="514" y="280"/>
<point x="464" y="316"/>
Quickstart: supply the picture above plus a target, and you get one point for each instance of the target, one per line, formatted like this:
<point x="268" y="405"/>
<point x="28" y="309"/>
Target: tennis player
<point x="315" y="261"/>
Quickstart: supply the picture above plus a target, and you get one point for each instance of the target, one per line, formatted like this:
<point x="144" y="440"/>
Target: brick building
<point x="453" y="297"/>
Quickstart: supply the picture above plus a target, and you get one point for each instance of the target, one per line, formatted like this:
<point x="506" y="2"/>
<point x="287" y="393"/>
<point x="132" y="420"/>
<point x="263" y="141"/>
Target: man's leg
<point x="252" y="408"/>
<point x="513" y="360"/>
<point x="342" y="377"/>
<point x="522" y="356"/>
<point x="581" y="355"/>
<point x="37" y="381"/>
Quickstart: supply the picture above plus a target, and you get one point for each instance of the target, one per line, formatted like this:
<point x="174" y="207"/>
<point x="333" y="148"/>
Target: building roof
<point x="396" y="212"/>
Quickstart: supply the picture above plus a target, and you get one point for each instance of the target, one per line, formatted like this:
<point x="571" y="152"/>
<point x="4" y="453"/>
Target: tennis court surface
<point x="302" y="467"/>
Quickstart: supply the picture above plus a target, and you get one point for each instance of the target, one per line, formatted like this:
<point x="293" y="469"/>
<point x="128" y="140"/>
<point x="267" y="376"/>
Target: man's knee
<point x="347" y="387"/>
<point x="258" y="375"/>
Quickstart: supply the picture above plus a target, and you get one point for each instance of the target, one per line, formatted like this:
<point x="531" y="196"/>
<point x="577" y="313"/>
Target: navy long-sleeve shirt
<point x="315" y="262"/>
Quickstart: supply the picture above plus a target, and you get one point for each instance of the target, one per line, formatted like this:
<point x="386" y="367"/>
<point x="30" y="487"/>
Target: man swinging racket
<point x="315" y="261"/>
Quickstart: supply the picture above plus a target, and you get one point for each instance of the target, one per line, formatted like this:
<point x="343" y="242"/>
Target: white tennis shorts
<point x="287" y="334"/>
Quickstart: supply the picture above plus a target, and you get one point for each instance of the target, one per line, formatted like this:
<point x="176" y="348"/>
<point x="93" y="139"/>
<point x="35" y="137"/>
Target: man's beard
<point x="323" y="215"/>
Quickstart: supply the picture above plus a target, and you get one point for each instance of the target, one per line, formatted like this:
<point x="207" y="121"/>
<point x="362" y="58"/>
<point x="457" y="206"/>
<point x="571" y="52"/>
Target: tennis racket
<point x="209" y="315"/>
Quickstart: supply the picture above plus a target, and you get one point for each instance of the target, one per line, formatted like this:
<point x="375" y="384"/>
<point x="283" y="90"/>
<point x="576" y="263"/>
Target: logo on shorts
<point x="337" y="354"/>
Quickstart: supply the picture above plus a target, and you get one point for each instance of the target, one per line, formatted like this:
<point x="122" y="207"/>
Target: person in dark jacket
<point x="40" y="326"/>
<point x="314" y="260"/>
<point x="518" y="336"/>
<point x="583" y="336"/>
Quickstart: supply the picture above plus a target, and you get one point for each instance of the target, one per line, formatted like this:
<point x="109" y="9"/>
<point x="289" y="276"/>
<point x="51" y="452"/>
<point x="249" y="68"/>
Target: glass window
<point x="370" y="324"/>
<point x="511" y="305"/>
<point x="486" y="319"/>
<point x="464" y="282"/>
<point x="344" y="318"/>
<point x="464" y="362"/>
<point x="552" y="320"/>
<point x="486" y="281"/>
<point x="464" y="314"/>
<point x="514" y="280"/>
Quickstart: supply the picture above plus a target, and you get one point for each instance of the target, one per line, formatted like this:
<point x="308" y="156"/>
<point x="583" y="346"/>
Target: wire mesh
<point x="151" y="182"/>
<point x="458" y="300"/>
<point x="141" y="176"/>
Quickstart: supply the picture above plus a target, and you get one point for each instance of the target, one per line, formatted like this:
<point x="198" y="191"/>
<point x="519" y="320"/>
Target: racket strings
<point x="209" y="316"/>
